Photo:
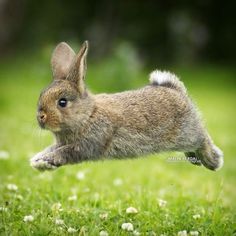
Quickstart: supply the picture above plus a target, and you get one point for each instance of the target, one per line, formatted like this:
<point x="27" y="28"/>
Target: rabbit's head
<point x="66" y="99"/>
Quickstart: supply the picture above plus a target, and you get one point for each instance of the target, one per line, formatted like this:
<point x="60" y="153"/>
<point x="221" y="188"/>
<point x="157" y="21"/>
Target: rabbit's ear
<point x="78" y="69"/>
<point x="61" y="61"/>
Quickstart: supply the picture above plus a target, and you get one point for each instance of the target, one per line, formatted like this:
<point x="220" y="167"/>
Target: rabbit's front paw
<point x="42" y="161"/>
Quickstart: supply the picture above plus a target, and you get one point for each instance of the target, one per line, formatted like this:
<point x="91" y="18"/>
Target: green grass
<point x="188" y="190"/>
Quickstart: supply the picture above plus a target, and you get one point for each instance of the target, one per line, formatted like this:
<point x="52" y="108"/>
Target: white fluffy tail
<point x="166" y="79"/>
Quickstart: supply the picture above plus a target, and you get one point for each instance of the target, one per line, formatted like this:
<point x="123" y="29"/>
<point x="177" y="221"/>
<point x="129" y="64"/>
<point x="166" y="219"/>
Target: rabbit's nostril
<point x="42" y="117"/>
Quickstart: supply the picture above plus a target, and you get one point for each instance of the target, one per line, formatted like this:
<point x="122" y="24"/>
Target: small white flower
<point x="96" y="196"/>
<point x="152" y="233"/>
<point x="162" y="203"/>
<point x="10" y="177"/>
<point x="86" y="190"/>
<point x="103" y="233"/>
<point x="131" y="210"/>
<point x="56" y="207"/>
<point x="74" y="190"/>
<point x="28" y="218"/>
<point x="117" y="182"/>
<point x="59" y="222"/>
<point x="80" y="175"/>
<point x="71" y="230"/>
<point x="162" y="192"/>
<point x="136" y="233"/>
<point x="72" y="198"/>
<point x="194" y="233"/>
<point x="103" y="216"/>
<point x="12" y="187"/>
<point x="197" y="216"/>
<point x="19" y="197"/>
<point x="182" y="233"/>
<point x="127" y="226"/>
<point x="4" y="155"/>
<point x="3" y="209"/>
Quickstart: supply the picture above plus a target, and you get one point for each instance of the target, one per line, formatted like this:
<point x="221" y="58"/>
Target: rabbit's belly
<point x="127" y="144"/>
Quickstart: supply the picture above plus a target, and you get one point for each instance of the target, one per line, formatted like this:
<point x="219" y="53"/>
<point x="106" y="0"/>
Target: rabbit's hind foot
<point x="191" y="157"/>
<point x="211" y="156"/>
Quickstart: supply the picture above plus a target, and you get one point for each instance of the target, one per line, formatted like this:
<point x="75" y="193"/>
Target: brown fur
<point x="159" y="117"/>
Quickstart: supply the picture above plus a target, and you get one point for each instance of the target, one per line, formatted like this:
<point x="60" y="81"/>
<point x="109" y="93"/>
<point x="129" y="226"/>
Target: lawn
<point x="85" y="199"/>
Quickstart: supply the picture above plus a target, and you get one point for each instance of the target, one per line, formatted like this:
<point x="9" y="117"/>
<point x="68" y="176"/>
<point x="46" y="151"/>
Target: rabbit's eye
<point x="62" y="102"/>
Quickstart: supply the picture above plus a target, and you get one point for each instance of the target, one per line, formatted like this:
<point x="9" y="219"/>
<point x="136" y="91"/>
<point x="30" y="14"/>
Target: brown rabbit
<point x="159" y="117"/>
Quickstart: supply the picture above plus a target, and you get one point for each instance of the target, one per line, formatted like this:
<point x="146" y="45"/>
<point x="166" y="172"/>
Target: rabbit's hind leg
<point x="210" y="155"/>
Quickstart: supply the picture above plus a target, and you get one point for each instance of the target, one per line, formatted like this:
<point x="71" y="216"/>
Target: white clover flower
<point x="152" y="233"/>
<point x="194" y="233"/>
<point x="19" y="197"/>
<point x="136" y="233"/>
<point x="3" y="209"/>
<point x="103" y="216"/>
<point x="28" y="218"/>
<point x="86" y="190"/>
<point x="80" y="175"/>
<point x="10" y="177"/>
<point x="117" y="182"/>
<point x="74" y="190"/>
<point x="182" y="233"/>
<point x="59" y="222"/>
<point x="127" y="226"/>
<point x="131" y="210"/>
<point x="71" y="230"/>
<point x="72" y="198"/>
<point x="96" y="196"/>
<point x="56" y="207"/>
<point x="12" y="187"/>
<point x="197" y="216"/>
<point x="162" y="203"/>
<point x="4" y="155"/>
<point x="103" y="233"/>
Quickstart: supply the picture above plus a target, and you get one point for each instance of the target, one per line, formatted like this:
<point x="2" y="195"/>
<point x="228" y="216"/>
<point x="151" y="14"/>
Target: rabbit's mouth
<point x="45" y="125"/>
<point x="49" y="127"/>
<point x="53" y="129"/>
<point x="42" y="124"/>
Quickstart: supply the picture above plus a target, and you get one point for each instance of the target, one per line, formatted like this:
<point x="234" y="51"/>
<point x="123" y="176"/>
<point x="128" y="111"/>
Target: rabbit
<point x="157" y="118"/>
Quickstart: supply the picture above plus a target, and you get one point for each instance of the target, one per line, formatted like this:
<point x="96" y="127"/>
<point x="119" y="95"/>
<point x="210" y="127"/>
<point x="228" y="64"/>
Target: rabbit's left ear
<point x="78" y="69"/>
<point x="61" y="61"/>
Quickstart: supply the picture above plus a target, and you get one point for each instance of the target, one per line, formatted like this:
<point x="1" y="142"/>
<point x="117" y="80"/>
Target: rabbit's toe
<point x="55" y="162"/>
<point x="42" y="165"/>
<point x="191" y="157"/>
<point x="42" y="162"/>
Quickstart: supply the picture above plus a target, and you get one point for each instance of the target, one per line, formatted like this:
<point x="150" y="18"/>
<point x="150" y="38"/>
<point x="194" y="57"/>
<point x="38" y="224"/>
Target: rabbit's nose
<point x="42" y="117"/>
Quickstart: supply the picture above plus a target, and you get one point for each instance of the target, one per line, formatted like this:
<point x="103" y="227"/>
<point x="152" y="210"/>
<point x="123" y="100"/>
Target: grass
<point x="110" y="187"/>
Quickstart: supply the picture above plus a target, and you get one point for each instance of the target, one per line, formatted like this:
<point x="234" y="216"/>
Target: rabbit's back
<point x="151" y="119"/>
<point x="147" y="107"/>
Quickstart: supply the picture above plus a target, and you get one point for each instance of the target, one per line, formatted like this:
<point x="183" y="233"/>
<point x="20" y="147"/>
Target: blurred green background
<point x="128" y="39"/>
<point x="160" y="31"/>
